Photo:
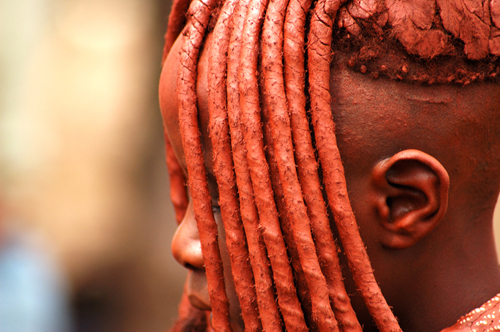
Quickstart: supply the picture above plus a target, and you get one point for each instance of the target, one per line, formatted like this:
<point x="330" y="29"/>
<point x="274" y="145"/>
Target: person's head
<point x="389" y="107"/>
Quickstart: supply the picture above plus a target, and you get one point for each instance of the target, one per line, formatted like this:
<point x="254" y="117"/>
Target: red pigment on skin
<point x="442" y="34"/>
<point x="178" y="192"/>
<point x="275" y="99"/>
<point x="268" y="308"/>
<point x="427" y="29"/>
<point x="176" y="21"/>
<point x="259" y="172"/>
<point x="286" y="226"/>
<point x="470" y="22"/>
<point x="190" y="318"/>
<point x="223" y="170"/>
<point x="294" y="45"/>
<point x="412" y="22"/>
<point x="190" y="133"/>
<point x="319" y="52"/>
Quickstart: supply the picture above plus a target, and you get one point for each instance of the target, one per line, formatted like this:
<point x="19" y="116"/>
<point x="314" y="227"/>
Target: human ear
<point x="411" y="197"/>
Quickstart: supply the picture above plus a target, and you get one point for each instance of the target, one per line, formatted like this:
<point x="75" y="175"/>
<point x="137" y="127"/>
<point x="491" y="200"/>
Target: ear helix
<point x="411" y="197"/>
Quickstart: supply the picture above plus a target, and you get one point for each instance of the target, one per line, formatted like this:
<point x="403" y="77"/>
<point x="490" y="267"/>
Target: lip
<point x="197" y="290"/>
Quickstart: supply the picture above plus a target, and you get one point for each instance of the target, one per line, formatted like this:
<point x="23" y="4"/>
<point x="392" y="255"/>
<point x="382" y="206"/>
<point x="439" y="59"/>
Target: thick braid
<point x="178" y="192"/>
<point x="275" y="99"/>
<point x="188" y="117"/>
<point x="259" y="171"/>
<point x="176" y="22"/>
<point x="268" y="308"/>
<point x="294" y="46"/>
<point x="224" y="173"/>
<point x="319" y="52"/>
<point x="286" y="226"/>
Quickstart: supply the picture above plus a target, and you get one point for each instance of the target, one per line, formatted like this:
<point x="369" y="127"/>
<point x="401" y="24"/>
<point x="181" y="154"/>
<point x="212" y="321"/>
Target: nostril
<point x="187" y="251"/>
<point x="191" y="267"/>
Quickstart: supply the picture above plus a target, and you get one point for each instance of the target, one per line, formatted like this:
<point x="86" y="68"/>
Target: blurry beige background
<point x="82" y="157"/>
<point x="81" y="153"/>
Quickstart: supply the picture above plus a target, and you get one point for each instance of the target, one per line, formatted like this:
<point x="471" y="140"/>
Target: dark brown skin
<point x="438" y="284"/>
<point x="431" y="270"/>
<point x="319" y="52"/>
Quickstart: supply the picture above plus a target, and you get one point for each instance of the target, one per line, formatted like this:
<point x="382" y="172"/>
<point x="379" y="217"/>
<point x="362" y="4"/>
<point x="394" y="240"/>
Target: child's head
<point x="408" y="97"/>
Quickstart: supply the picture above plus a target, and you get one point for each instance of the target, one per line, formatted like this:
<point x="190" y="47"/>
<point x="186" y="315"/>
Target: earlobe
<point x="411" y="197"/>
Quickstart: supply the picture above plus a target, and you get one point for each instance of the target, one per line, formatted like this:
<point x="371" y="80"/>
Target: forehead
<point x="169" y="101"/>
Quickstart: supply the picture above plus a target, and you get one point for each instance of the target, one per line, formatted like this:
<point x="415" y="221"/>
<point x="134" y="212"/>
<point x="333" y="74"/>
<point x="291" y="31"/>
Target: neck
<point x="450" y="282"/>
<point x="449" y="273"/>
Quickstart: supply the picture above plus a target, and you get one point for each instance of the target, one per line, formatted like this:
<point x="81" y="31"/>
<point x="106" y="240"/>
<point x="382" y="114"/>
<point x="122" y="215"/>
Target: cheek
<point x="168" y="98"/>
<point x="168" y="84"/>
<point x="362" y="199"/>
<point x="167" y="92"/>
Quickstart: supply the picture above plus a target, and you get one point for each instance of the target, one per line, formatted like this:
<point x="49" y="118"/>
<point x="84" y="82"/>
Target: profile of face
<point x="416" y="176"/>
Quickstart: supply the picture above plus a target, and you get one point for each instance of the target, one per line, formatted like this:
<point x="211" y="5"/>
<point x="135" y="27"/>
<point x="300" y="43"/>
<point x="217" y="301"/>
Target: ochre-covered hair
<point x="272" y="131"/>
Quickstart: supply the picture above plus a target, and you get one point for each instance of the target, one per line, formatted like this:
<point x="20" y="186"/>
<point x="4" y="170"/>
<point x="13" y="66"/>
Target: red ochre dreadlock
<point x="270" y="192"/>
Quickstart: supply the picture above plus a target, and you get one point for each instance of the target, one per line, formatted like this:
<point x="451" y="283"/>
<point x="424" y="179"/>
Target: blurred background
<point x="84" y="186"/>
<point x="86" y="220"/>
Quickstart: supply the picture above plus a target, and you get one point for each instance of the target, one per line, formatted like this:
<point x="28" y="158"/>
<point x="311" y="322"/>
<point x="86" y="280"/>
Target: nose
<point x="186" y="245"/>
